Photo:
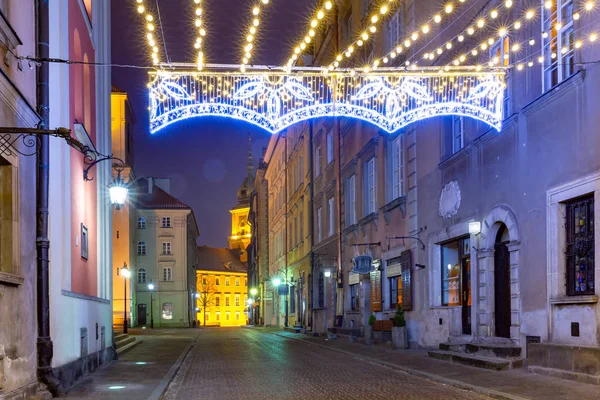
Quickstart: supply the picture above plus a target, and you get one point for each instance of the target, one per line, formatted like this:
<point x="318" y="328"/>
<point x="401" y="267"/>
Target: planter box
<point x="399" y="337"/>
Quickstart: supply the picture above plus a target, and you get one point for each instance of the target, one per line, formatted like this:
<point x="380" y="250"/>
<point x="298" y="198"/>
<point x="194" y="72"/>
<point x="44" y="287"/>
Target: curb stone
<point x="160" y="390"/>
<point x="432" y="377"/>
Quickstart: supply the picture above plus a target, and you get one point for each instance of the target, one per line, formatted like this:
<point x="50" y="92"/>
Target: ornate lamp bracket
<point x="92" y="157"/>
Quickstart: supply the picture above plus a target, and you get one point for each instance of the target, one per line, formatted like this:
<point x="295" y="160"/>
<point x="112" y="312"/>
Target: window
<point x="354" y="297"/>
<point x="237" y="300"/>
<point x="396" y="29"/>
<point x="167" y="311"/>
<point x="141" y="248"/>
<point x="301" y="227"/>
<point x="558" y="45"/>
<point x="166" y="222"/>
<point x="321" y="290"/>
<point x="329" y="147"/>
<point x="364" y="7"/>
<point x="395" y="291"/>
<point x="217" y="301"/>
<point x="227" y="316"/>
<point x="237" y="316"/>
<point x="237" y="281"/>
<point x="8" y="211"/>
<point x="217" y="316"/>
<point x="166" y="248"/>
<point x="206" y="316"/>
<point x="348" y="29"/>
<point x="84" y="242"/>
<point x="167" y="274"/>
<point x="204" y="281"/>
<point x="226" y="301"/>
<point x="398" y="167"/>
<point x="245" y="282"/>
<point x="227" y="281"/>
<point x="580" y="246"/>
<point x="351" y="201"/>
<point x="318" y="161"/>
<point x="141" y="275"/>
<point x="217" y="281"/>
<point x="319" y="221"/>
<point x="331" y="216"/>
<point x="455" y="263"/>
<point x="141" y="223"/>
<point x="292" y="296"/>
<point x="370" y="188"/>
<point x="500" y="55"/>
<point x="458" y="133"/>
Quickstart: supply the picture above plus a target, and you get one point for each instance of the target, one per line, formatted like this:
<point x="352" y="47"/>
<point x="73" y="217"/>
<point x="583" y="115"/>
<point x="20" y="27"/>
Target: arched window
<point x="141" y="275"/>
<point x="141" y="248"/>
<point x="141" y="223"/>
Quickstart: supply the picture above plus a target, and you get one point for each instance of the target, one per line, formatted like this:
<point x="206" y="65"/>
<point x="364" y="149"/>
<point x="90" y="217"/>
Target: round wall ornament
<point x="450" y="200"/>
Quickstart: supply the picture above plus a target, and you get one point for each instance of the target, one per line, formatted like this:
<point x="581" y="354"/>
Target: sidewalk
<point x="516" y="384"/>
<point x="143" y="372"/>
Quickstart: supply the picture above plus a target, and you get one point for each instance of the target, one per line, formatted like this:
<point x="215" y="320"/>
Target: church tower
<point x="240" y="226"/>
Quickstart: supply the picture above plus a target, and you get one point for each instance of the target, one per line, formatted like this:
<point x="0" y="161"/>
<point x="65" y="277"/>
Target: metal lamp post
<point x="253" y="293"/>
<point x="151" y="288"/>
<point x="126" y="274"/>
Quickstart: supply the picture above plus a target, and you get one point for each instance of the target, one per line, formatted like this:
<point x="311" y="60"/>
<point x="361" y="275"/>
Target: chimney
<point x="150" y="185"/>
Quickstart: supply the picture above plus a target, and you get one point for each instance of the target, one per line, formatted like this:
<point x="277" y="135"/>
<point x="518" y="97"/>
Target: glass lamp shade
<point x="253" y="291"/>
<point x="150" y="286"/>
<point x="118" y="195"/>
<point x="125" y="272"/>
<point x="276" y="282"/>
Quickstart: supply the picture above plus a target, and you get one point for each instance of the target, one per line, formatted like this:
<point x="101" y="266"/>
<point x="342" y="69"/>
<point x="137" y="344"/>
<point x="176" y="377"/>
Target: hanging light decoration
<point x="151" y="36"/>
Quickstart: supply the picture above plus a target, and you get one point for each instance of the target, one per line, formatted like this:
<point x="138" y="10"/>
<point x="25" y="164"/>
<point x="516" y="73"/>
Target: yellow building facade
<point x="221" y="288"/>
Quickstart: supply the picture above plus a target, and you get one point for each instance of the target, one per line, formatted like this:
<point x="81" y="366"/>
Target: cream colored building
<point x="164" y="243"/>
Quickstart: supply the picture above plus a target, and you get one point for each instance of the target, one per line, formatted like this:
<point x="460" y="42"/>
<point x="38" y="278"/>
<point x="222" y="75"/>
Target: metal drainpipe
<point x="312" y="222"/>
<point x="44" y="341"/>
<point x="339" y="280"/>
<point x="285" y="192"/>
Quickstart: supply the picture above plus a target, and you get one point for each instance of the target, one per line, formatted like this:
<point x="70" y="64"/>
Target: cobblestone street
<point x="250" y="364"/>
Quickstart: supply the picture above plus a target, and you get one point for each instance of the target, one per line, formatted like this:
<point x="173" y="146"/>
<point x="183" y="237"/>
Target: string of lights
<point x="479" y="24"/>
<point x="408" y="41"/>
<point x="365" y="36"/>
<point x="150" y="30"/>
<point x="310" y="34"/>
<point x="201" y="34"/>
<point x="252" y="33"/>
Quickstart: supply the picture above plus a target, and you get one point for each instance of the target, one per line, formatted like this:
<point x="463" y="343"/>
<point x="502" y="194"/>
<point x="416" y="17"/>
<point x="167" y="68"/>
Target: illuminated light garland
<point x="151" y="36"/>
<point x="249" y="39"/>
<point x="198" y="25"/>
<point x="276" y="100"/>
<point x="408" y="41"/>
<point x="516" y="25"/>
<point x="480" y="23"/>
<point x="366" y="34"/>
<point x="319" y="16"/>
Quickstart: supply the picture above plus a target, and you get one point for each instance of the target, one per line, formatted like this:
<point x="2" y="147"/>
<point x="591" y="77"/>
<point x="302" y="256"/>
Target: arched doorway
<point x="502" y="283"/>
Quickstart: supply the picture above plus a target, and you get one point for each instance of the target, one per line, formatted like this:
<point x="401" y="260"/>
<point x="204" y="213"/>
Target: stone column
<point x="515" y="290"/>
<point x="485" y="292"/>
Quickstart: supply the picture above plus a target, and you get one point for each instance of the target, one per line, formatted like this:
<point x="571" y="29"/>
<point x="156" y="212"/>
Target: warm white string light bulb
<point x="315" y="22"/>
<point x="201" y="30"/>
<point x="151" y="36"/>
<point x="250" y="37"/>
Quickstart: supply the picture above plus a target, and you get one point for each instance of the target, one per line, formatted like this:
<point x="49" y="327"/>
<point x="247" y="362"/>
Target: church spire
<point x="249" y="155"/>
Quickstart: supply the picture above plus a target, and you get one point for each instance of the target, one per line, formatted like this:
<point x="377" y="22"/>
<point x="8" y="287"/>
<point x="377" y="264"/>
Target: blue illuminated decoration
<point x="275" y="100"/>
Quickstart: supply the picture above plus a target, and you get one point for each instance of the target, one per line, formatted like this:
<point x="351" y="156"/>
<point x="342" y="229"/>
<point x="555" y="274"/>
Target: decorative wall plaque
<point x="450" y="200"/>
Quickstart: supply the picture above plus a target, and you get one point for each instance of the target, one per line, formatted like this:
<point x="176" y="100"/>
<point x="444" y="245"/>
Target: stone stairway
<point x="125" y="342"/>
<point x="494" y="354"/>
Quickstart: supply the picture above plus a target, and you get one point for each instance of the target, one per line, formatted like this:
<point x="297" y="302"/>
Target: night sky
<point x="205" y="157"/>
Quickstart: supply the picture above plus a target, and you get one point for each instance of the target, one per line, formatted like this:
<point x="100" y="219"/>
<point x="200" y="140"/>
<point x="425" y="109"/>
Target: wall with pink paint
<point x="84" y="272"/>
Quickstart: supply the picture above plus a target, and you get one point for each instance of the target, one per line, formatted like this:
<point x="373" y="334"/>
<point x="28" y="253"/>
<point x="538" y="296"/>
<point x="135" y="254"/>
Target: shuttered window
<point x="376" y="291"/>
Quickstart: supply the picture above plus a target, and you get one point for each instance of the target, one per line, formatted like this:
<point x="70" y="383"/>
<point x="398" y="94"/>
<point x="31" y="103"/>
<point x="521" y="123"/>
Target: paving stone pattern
<point x="250" y="364"/>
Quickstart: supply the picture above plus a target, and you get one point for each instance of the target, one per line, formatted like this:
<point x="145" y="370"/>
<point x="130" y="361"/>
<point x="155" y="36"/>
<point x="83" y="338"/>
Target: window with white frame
<point x="237" y="300"/>
<point x="217" y="316"/>
<point x="167" y="274"/>
<point x="166" y="222"/>
<point x="319" y="224"/>
<point x="166" y="248"/>
<point x="141" y="223"/>
<point x="226" y="301"/>
<point x="318" y="161"/>
<point x="141" y="275"/>
<point x="331" y="216"/>
<point x="329" y="147"/>
<point x="458" y="133"/>
<point x="396" y="28"/>
<point x="227" y="281"/>
<point x="351" y="201"/>
<point x="500" y="55"/>
<point x="398" y="167"/>
<point x="217" y="301"/>
<point x="9" y="208"/>
<point x="558" y="42"/>
<point x="237" y="316"/>
<point x="237" y="281"/>
<point x="370" y="187"/>
<point x="141" y="248"/>
<point x="227" y="316"/>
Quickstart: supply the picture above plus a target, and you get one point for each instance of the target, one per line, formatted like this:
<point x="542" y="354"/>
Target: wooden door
<point x="502" y="290"/>
<point x="466" y="295"/>
<point x="141" y="314"/>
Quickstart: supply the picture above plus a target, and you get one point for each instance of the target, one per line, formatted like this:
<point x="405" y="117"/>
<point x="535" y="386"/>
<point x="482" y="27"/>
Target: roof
<point x="219" y="259"/>
<point x="115" y="89"/>
<point x="158" y="199"/>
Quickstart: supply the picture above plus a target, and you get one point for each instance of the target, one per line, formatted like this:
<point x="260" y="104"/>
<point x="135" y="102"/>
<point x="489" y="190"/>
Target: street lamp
<point x="118" y="192"/>
<point x="151" y="288"/>
<point x="276" y="282"/>
<point x="126" y="274"/>
<point x="253" y="291"/>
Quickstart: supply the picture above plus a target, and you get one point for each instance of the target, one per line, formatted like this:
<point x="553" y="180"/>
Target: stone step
<point x="456" y="347"/>
<point x="494" y="350"/>
<point x="345" y="331"/>
<point x="478" y="361"/>
<point x="293" y="329"/>
<point x="120" y="336"/>
<point x="124" y="342"/>
<point x="131" y="345"/>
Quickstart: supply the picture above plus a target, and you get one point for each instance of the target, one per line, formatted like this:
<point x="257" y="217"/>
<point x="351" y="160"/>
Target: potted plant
<point x="399" y="331"/>
<point x="369" y="330"/>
